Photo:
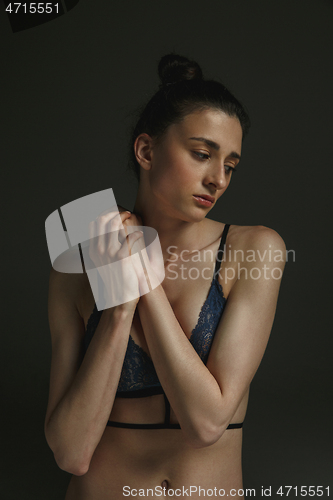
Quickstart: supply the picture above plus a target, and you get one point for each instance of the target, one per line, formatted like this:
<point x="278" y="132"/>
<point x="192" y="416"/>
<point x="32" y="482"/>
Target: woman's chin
<point x="195" y="215"/>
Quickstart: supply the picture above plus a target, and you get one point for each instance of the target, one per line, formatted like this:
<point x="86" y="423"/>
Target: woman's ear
<point x="143" y="150"/>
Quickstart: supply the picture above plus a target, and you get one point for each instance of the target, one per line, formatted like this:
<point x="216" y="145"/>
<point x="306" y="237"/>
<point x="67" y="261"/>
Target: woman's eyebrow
<point x="214" y="145"/>
<point x="210" y="143"/>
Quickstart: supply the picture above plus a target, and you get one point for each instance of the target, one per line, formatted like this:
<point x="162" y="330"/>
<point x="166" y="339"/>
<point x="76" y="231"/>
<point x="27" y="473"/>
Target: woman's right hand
<point x="110" y="251"/>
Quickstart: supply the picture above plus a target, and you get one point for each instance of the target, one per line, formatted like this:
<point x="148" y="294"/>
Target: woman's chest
<point x="187" y="297"/>
<point x="193" y="291"/>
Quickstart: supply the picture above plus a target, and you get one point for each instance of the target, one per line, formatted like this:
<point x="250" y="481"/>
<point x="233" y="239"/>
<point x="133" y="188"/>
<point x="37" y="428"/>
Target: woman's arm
<point x="81" y="396"/>
<point x="205" y="398"/>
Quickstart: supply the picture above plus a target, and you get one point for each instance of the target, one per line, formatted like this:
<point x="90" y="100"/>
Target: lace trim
<point x="209" y="317"/>
<point x="138" y="370"/>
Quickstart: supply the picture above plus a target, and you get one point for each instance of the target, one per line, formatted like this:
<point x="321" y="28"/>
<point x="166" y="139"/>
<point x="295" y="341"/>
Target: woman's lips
<point x="204" y="200"/>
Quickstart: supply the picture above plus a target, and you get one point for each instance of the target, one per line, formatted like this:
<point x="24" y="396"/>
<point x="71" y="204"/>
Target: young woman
<point x="148" y="398"/>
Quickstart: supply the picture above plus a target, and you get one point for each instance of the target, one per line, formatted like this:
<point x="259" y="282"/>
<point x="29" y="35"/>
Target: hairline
<point x="197" y="109"/>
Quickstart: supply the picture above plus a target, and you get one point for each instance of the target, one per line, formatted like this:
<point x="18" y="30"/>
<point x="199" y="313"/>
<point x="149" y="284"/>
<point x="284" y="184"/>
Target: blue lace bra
<point x="138" y="376"/>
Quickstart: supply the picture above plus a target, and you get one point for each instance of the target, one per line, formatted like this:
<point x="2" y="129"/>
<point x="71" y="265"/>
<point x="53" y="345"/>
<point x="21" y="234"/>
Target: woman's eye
<point x="202" y="156"/>
<point x="229" y="169"/>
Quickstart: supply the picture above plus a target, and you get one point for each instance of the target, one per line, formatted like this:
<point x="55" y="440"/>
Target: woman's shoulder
<point x="73" y="288"/>
<point x="246" y="237"/>
<point x="255" y="238"/>
<point x="257" y="250"/>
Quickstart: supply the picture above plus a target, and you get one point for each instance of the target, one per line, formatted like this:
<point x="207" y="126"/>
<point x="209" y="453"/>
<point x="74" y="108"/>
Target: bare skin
<point x="204" y="399"/>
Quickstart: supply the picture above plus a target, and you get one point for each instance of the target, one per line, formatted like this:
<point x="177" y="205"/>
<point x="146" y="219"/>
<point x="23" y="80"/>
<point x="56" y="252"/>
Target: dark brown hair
<point x="182" y="91"/>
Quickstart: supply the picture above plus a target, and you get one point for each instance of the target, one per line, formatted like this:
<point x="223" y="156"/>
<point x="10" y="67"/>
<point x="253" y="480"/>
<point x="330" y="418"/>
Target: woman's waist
<point x="145" y="458"/>
<point x="220" y="474"/>
<point x="155" y="448"/>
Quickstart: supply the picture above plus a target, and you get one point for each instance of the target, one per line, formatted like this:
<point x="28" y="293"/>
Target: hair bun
<point x="173" y="68"/>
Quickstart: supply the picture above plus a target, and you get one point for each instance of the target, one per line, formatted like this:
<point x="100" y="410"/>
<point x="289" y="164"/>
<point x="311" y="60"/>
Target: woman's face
<point x="191" y="166"/>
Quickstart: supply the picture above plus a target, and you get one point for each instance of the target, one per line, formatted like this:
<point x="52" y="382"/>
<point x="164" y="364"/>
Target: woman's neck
<point x="171" y="231"/>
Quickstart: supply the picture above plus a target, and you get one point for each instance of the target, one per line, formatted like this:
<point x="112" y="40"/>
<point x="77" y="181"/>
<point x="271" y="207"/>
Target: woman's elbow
<point x="78" y="467"/>
<point x="74" y="463"/>
<point x="204" y="435"/>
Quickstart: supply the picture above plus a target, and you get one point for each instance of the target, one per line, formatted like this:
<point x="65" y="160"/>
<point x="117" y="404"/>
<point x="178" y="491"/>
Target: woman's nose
<point x="217" y="177"/>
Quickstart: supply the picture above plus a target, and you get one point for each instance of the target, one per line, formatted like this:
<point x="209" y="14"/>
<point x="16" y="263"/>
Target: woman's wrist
<point x="156" y="293"/>
<point x="122" y="311"/>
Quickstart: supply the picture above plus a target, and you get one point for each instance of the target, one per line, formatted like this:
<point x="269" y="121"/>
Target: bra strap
<point x="219" y="255"/>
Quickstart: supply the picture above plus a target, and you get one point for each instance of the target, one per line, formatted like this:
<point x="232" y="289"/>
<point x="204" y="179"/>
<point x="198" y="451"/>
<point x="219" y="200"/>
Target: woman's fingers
<point x="114" y="238"/>
<point x="122" y="231"/>
<point x="114" y="235"/>
<point x="101" y="228"/>
<point x="134" y="220"/>
<point x="130" y="239"/>
<point x="106" y="229"/>
<point x="104" y="235"/>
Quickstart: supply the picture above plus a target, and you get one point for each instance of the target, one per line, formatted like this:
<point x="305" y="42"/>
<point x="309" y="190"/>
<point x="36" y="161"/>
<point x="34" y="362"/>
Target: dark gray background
<point x="69" y="89"/>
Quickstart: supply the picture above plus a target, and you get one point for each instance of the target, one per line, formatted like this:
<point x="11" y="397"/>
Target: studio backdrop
<point x="71" y="86"/>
